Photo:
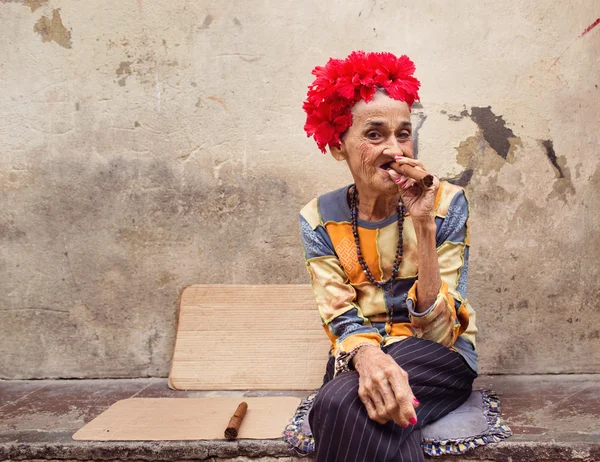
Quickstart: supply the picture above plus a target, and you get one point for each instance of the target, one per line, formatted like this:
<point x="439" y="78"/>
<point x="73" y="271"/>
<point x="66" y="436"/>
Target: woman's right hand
<point x="383" y="388"/>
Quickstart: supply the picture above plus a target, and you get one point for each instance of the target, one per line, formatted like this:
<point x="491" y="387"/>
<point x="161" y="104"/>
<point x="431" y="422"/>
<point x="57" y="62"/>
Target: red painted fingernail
<point x="398" y="180"/>
<point x="404" y="426"/>
<point x="413" y="421"/>
<point x="416" y="401"/>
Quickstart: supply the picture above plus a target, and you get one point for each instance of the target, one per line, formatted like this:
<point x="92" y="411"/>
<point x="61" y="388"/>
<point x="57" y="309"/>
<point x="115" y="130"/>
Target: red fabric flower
<point x="342" y="82"/>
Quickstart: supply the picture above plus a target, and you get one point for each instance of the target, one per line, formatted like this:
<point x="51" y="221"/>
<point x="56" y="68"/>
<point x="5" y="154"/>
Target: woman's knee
<point x="337" y="394"/>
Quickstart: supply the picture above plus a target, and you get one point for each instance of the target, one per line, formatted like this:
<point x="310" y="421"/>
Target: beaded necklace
<point x="361" y="260"/>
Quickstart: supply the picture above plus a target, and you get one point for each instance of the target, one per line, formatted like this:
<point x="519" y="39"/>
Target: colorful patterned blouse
<point x="355" y="311"/>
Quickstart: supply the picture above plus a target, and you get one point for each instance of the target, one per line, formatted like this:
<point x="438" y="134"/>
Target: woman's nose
<point x="393" y="148"/>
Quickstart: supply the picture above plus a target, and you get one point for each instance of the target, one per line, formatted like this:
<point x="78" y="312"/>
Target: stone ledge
<point x="554" y="418"/>
<point x="523" y="451"/>
<point x="143" y="450"/>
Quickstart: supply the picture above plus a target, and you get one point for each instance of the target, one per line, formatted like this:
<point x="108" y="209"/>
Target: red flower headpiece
<point x="343" y="82"/>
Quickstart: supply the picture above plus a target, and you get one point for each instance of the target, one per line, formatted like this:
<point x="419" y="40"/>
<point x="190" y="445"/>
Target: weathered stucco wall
<point x="148" y="145"/>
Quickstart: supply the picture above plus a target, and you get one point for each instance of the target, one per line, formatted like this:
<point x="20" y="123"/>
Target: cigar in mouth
<point x="425" y="178"/>
<point x="233" y="427"/>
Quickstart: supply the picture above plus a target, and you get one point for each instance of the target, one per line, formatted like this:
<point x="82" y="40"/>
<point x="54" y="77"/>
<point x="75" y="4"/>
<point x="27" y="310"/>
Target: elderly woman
<point x="387" y="258"/>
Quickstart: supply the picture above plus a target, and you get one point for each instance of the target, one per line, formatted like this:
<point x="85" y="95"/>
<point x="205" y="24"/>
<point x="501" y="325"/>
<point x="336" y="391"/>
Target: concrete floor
<point x="552" y="417"/>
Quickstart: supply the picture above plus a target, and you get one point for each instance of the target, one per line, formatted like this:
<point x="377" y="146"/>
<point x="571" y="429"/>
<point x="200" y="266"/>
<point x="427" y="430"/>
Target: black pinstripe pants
<point x="440" y="379"/>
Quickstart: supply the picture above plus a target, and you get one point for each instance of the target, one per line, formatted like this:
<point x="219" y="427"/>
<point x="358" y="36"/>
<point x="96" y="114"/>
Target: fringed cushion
<point x="476" y="422"/>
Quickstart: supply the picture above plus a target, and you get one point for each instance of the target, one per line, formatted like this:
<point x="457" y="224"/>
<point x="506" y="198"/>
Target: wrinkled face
<point x="380" y="131"/>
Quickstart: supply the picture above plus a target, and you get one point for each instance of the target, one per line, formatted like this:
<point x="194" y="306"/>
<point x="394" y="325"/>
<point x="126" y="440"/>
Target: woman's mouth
<point x="387" y="165"/>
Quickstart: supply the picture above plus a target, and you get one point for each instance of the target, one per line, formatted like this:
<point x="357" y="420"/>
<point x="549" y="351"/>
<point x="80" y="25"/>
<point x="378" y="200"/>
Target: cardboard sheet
<point x="164" y="419"/>
<point x="241" y="337"/>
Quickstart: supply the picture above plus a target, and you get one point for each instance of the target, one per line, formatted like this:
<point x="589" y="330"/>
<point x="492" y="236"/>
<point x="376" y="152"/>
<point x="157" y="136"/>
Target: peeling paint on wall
<point x="549" y="147"/>
<point x="456" y="118"/>
<point x="563" y="184"/>
<point x="53" y="30"/>
<point x="421" y="120"/>
<point x="494" y="129"/>
<point x="469" y="152"/>
<point x="462" y="179"/>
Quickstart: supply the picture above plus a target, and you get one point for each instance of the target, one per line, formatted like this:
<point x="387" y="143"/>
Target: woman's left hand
<point x="418" y="200"/>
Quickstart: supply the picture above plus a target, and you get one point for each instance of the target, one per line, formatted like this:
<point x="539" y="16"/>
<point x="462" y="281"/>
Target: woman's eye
<point x="404" y="135"/>
<point x="373" y="135"/>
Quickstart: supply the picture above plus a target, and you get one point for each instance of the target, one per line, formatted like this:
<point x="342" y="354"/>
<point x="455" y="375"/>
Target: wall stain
<point x="35" y="4"/>
<point x="549" y="147"/>
<point x="17" y="179"/>
<point x="10" y="232"/>
<point x="152" y="342"/>
<point x="587" y="29"/>
<point x="123" y="71"/>
<point x="251" y="60"/>
<point x="494" y="130"/>
<point x="207" y="22"/>
<point x="199" y="102"/>
<point x="218" y="100"/>
<point x="237" y="22"/>
<point x="143" y="62"/>
<point x="143" y="236"/>
<point x="165" y="277"/>
<point x="590" y="27"/>
<point x="53" y="30"/>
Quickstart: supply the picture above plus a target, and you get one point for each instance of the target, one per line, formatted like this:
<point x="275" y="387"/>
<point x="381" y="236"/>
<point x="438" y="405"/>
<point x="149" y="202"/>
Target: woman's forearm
<point x="429" y="277"/>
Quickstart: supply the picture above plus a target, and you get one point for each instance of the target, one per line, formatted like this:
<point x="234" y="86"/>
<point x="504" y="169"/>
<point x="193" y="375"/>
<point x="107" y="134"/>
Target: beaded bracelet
<point x="343" y="361"/>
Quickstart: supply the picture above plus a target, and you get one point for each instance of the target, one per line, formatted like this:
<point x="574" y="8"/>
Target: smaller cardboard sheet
<point x="167" y="419"/>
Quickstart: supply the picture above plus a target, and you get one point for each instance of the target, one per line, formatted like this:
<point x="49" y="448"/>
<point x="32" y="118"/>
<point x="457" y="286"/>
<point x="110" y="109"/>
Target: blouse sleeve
<point x="341" y="316"/>
<point x="448" y="317"/>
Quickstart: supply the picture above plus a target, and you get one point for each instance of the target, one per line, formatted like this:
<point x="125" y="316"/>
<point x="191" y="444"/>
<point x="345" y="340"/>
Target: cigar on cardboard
<point x="231" y="432"/>
<point x="418" y="175"/>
